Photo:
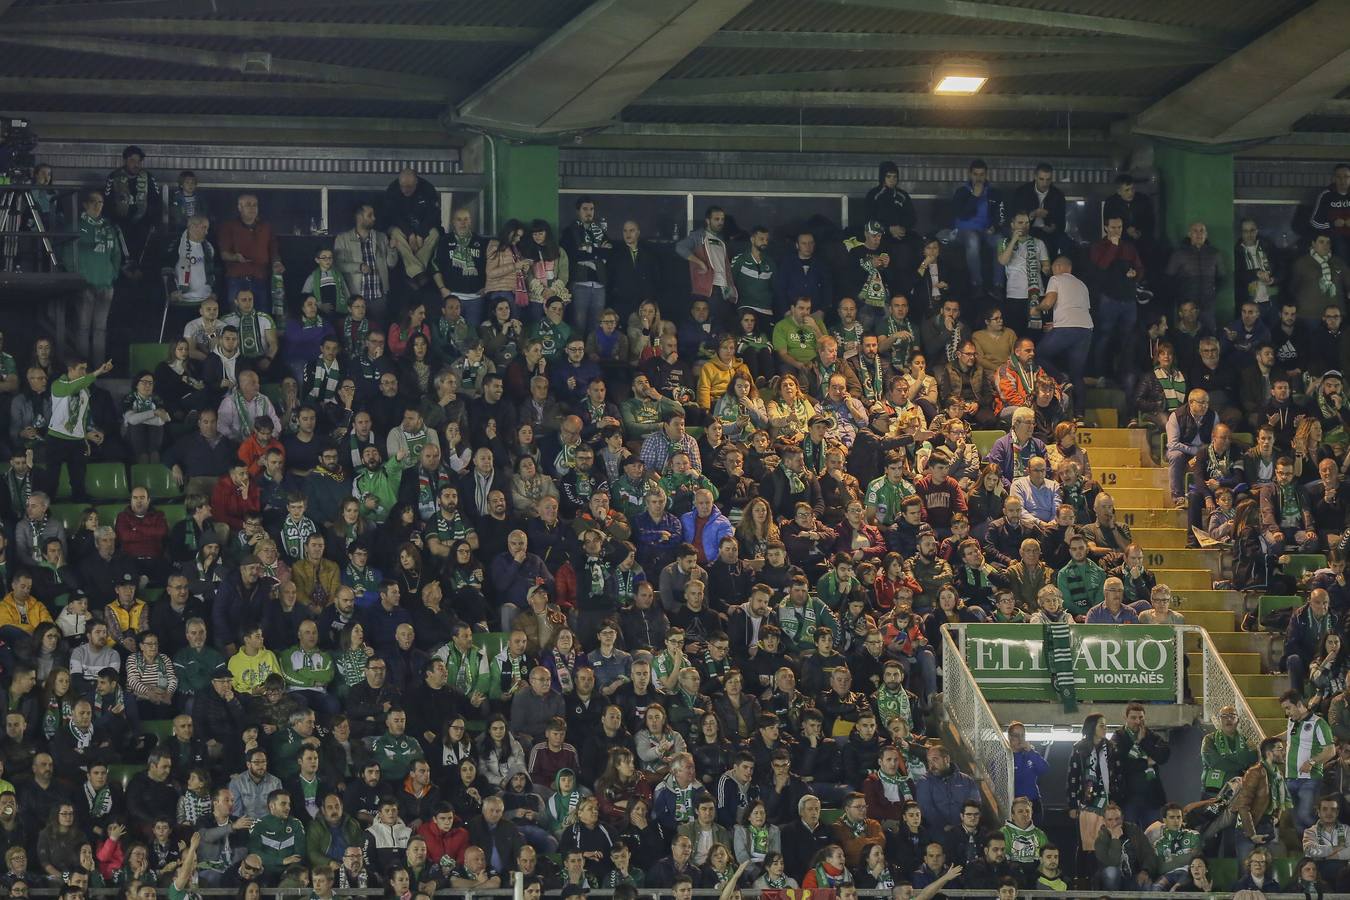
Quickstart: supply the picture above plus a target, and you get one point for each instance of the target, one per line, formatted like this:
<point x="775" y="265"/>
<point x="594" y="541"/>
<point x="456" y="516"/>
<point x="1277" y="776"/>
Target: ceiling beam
<point x="849" y="41"/>
<point x="587" y="71"/>
<point x="260" y="30"/>
<point x="231" y="62"/>
<point x="46" y="119"/>
<point x="1044" y="18"/>
<point x="863" y="132"/>
<point x="237" y="90"/>
<point x="909" y="100"/>
<point x="1265" y="88"/>
<point x="113" y="9"/>
<point x="883" y="76"/>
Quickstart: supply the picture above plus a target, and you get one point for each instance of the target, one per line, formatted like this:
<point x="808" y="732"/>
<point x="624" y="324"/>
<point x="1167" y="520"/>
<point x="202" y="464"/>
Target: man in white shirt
<point x="1064" y="349"/>
<point x="193" y="268"/>
<point x="203" y="332"/>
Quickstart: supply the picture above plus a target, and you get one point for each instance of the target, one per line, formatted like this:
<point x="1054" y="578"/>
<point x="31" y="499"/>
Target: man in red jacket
<point x="249" y="250"/>
<point x="235" y="496"/>
<point x="446" y="838"/>
<point x="887" y="790"/>
<point x="141" y="531"/>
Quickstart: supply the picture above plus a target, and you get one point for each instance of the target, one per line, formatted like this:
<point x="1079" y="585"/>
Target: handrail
<point x="1220" y="689"/>
<point x="975" y="721"/>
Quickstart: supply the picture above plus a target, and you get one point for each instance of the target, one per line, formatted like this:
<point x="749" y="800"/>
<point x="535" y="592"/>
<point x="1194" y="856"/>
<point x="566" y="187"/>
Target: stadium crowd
<point x="482" y="564"/>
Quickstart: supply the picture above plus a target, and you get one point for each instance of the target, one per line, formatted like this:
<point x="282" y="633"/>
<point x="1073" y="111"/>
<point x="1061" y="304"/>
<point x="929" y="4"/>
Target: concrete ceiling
<point x="716" y="74"/>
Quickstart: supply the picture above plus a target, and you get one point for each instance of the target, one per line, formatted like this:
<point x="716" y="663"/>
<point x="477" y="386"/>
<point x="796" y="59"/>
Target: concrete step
<point x="1251" y="685"/>
<point x="1182" y="579"/>
<point x="1115" y="456"/>
<point x="1113" y="477"/>
<point x="1160" y="538"/>
<point x="1211" y="619"/>
<point x="1230" y="642"/>
<point x="1267" y="706"/>
<point x="1149" y="515"/>
<point x="1113" y="437"/>
<point x="1146" y="497"/>
<point x="1102" y="418"/>
<point x="1212" y="599"/>
<point x="1237" y="663"/>
<point x="1180" y="558"/>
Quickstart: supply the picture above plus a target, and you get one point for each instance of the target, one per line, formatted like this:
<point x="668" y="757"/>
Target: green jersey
<point x="1176" y="849"/>
<point x="1305" y="739"/>
<point x="754" y="282"/>
<point x="395" y="754"/>
<point x="276" y="840"/>
<point x="71" y="419"/>
<point x="797" y="341"/>
<point x="1024" y="844"/>
<point x="885" y="496"/>
<point x="553" y="337"/>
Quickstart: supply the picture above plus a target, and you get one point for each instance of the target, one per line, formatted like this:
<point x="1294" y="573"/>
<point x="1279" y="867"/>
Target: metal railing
<point x="1220" y="689"/>
<point x="975" y="722"/>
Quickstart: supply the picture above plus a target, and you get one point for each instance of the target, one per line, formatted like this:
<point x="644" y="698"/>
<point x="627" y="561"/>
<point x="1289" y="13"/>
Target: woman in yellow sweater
<point x="716" y="374"/>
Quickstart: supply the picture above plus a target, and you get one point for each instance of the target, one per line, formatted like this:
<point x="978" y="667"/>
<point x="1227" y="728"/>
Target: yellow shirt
<point x="250" y="671"/>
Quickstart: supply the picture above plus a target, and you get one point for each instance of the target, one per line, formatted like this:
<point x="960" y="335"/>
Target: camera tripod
<point x="17" y="206"/>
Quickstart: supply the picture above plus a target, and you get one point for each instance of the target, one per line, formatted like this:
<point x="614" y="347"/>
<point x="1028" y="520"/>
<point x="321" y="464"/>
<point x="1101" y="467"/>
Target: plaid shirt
<point x="371" y="288"/>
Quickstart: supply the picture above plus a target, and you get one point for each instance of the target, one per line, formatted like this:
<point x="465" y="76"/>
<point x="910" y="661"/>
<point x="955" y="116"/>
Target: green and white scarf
<point x="250" y="335"/>
<point x="1059" y="654"/>
<point x="324" y="379"/>
<point x="897" y="785"/>
<point x="137" y="403"/>
<point x="891" y="704"/>
<point x="1325" y="283"/>
<point x="1173" y="387"/>
<point x="339" y="286"/>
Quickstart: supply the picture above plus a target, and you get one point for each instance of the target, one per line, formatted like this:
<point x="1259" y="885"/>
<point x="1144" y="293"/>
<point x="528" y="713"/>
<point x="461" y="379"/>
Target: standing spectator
<point x="1318" y="279"/>
<point x="134" y="203"/>
<point x="1118" y="269"/>
<point x="978" y="218"/>
<point x="1261" y="800"/>
<point x="802" y="274"/>
<point x="1046" y="205"/>
<point x="1142" y="753"/>
<point x="709" y="259"/>
<point x="1331" y="213"/>
<point x="1195" y="270"/>
<point x="249" y="248"/>
<point x="1309" y="743"/>
<point x="1257" y="271"/>
<point x="588" y="249"/>
<point x="1068" y="338"/>
<point x="96" y="256"/>
<point x="364" y="256"/>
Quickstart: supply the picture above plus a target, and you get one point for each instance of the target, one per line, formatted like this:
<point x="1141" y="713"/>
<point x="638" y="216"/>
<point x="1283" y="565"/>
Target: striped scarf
<point x="1325" y="283"/>
<point x="1059" y="656"/>
<point x="1173" y="387"/>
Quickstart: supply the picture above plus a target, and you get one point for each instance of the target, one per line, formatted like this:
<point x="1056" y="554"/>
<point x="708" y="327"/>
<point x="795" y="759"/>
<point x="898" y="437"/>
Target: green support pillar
<point x="1197" y="185"/>
<point x="525" y="182"/>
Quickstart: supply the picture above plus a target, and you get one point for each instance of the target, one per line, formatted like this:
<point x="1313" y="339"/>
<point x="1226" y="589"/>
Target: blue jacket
<point x="1002" y="455"/>
<point x="717" y="528"/>
<point x="513" y="580"/>
<point x="1028" y="767"/>
<point x="977" y="213"/>
<point x="795" y="277"/>
<point x="940" y="797"/>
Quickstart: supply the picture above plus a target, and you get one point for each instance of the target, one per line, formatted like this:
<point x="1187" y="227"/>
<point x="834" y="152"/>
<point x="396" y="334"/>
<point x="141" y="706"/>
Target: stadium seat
<point x="1271" y="603"/>
<point x="145" y="357"/>
<point x="1223" y="872"/>
<point x="160" y="728"/>
<point x="490" y="642"/>
<point x="68" y="514"/>
<point x="985" y="439"/>
<point x="830" y="816"/>
<point x="122" y="773"/>
<point x="1301" y="564"/>
<point x="107" y="512"/>
<point x="107" y="481"/>
<point x="1283" y="870"/>
<point x="157" y="479"/>
<point x="151" y="594"/>
<point x="63" y="483"/>
<point x="173" y="513"/>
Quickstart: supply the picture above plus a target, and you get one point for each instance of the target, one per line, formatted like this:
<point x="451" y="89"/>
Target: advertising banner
<point x="1110" y="662"/>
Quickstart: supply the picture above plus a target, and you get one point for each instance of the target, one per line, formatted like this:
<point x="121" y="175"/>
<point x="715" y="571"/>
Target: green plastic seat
<point x="157" y="479"/>
<point x="68" y="514"/>
<point x="1271" y="603"/>
<point x="1302" y="563"/>
<point x="830" y="816"/>
<point x="160" y="728"/>
<point x="107" y="512"/>
<point x="1283" y="870"/>
<point x="107" y="481"/>
<point x="1243" y="438"/>
<point x="173" y="513"/>
<point x="490" y="642"/>
<point x="122" y="773"/>
<point x="1223" y="872"/>
<point x="145" y="357"/>
<point x="984" y="440"/>
<point x="151" y="594"/>
<point x="63" y="484"/>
